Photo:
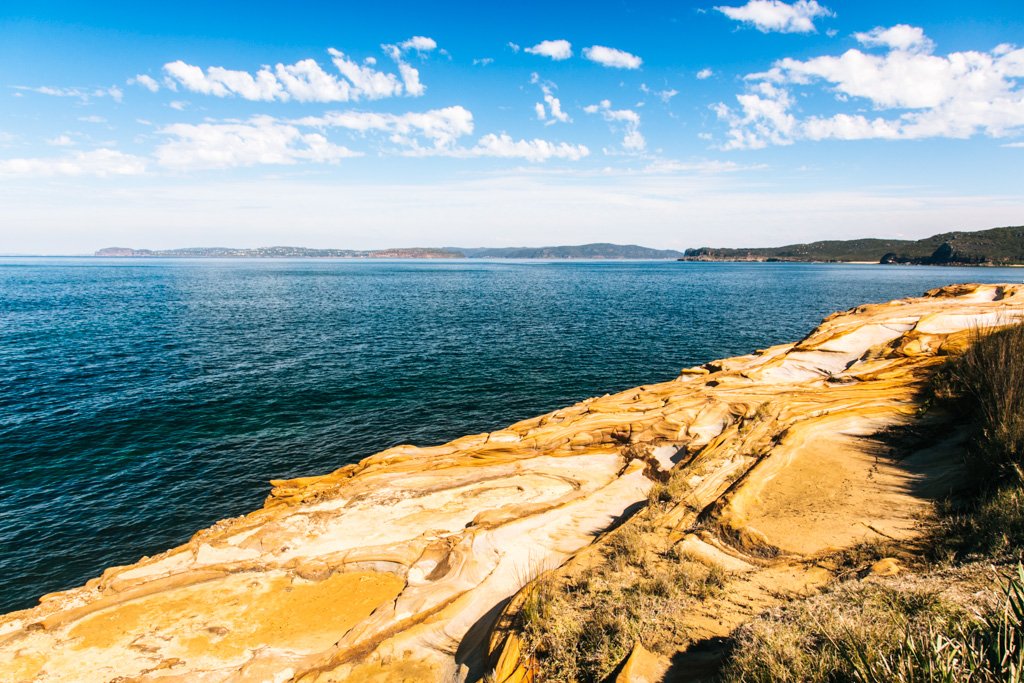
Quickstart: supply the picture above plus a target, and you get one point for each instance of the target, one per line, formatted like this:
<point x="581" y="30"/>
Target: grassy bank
<point x="959" y="614"/>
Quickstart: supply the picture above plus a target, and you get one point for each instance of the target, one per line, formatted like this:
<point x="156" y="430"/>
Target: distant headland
<point x="582" y="251"/>
<point x="273" y="252"/>
<point x="994" y="247"/>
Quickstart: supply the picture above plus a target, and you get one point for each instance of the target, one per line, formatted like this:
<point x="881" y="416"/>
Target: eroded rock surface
<point x="397" y="568"/>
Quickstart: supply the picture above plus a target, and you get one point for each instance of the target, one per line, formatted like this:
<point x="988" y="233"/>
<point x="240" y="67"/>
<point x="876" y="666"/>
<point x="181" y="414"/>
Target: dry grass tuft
<point x="580" y="628"/>
<point x="987" y="383"/>
<point x="952" y="625"/>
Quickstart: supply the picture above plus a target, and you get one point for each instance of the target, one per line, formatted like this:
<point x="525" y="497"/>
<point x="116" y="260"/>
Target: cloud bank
<point x="306" y="80"/>
<point x="912" y="92"/>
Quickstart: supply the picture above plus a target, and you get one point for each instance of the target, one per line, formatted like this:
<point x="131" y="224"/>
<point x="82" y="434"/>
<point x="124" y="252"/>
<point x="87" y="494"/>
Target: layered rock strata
<point x="398" y="567"/>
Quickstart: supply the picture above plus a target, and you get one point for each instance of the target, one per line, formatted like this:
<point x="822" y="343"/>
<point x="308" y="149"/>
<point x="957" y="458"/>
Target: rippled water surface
<point x="143" y="400"/>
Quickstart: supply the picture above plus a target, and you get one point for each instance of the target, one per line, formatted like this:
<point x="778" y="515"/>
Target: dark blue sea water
<point x="143" y="400"/>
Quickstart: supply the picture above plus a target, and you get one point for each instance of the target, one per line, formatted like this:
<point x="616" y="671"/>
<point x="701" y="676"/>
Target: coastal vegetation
<point x="997" y="246"/>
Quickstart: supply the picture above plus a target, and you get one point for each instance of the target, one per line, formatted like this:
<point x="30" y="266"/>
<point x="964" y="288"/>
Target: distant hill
<point x="277" y="252"/>
<point x="997" y="246"/>
<point x="601" y="250"/>
<point x="583" y="251"/>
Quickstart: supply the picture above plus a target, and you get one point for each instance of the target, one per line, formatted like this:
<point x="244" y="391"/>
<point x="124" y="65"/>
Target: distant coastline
<point x="273" y="252"/>
<point x="993" y="247"/>
<point x="583" y="251"/>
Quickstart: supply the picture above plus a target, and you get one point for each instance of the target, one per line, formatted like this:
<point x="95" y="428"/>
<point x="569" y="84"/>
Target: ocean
<point x="142" y="400"/>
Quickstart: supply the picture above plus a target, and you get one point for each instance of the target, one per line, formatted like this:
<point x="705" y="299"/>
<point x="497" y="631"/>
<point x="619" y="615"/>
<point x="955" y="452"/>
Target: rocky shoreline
<point x="410" y="564"/>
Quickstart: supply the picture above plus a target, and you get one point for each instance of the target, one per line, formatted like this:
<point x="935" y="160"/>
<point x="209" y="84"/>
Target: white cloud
<point x="765" y="118"/>
<point x="663" y="95"/>
<point x="439" y="127"/>
<point x="84" y="94"/>
<point x="554" y="105"/>
<point x="703" y="167"/>
<point x="1014" y="144"/>
<point x="957" y="95"/>
<point x="61" y="141"/>
<point x="503" y="146"/>
<point x="555" y="49"/>
<point x="899" y="37"/>
<point x="261" y="140"/>
<point x="306" y="80"/>
<point x="92" y="119"/>
<point x="55" y="92"/>
<point x="483" y="61"/>
<point x="267" y="140"/>
<point x="773" y="15"/>
<point x="625" y="120"/>
<point x="532" y="150"/>
<point x="440" y="130"/>
<point x="705" y="74"/>
<point x="222" y="82"/>
<point x="178" y="105"/>
<point x="366" y="81"/>
<point x="145" y="81"/>
<point x="513" y="46"/>
<point x="611" y="57"/>
<point x="419" y="43"/>
<point x="97" y="162"/>
<point x="410" y="75"/>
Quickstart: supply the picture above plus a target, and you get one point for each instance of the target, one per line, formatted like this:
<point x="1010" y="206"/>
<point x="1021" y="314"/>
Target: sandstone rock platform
<point x="398" y="568"/>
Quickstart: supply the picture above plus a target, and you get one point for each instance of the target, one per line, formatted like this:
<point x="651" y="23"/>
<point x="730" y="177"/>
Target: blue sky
<point x="673" y="125"/>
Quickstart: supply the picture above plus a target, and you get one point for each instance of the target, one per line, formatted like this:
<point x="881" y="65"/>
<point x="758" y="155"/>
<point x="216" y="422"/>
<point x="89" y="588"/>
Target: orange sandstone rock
<point x="396" y="568"/>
